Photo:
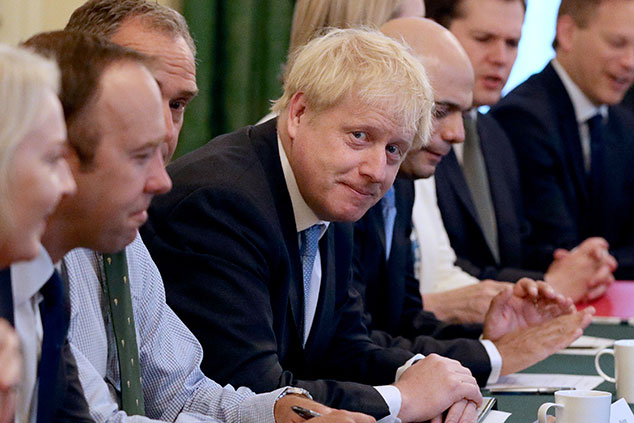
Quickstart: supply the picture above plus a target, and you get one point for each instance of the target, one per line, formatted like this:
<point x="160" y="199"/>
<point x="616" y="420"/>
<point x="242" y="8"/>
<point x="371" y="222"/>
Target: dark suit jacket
<point x="226" y="244"/>
<point x="460" y="217"/>
<point x="539" y="119"/>
<point x="393" y="309"/>
<point x="628" y="101"/>
<point x="67" y="393"/>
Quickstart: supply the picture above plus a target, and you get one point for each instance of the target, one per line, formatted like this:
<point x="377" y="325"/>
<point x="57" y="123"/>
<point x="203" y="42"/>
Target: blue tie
<point x="55" y="325"/>
<point x="310" y="241"/>
<point x="389" y="215"/>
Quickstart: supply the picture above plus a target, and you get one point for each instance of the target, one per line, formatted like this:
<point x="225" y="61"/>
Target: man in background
<point x="574" y="141"/>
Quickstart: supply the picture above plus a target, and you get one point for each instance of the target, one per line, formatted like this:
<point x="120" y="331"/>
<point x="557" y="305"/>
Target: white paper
<point x="539" y="380"/>
<point x="496" y="416"/>
<point x="620" y="412"/>
<point x="587" y="345"/>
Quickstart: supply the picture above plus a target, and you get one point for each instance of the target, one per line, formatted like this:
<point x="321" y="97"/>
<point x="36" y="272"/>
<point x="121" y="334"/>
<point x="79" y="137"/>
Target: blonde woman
<point x="310" y="16"/>
<point x="33" y="177"/>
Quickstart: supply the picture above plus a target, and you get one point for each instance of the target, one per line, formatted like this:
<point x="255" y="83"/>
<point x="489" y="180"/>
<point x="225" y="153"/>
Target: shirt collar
<point x="584" y="108"/>
<point x="28" y="277"/>
<point x="305" y="217"/>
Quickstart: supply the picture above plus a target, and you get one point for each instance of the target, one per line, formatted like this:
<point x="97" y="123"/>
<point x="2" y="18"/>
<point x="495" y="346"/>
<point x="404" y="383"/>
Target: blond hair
<point x="377" y="70"/>
<point x="25" y="79"/>
<point x="312" y="16"/>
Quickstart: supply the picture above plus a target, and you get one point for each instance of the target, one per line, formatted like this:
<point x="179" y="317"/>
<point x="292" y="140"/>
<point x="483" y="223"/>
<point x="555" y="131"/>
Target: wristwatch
<point x="294" y="390"/>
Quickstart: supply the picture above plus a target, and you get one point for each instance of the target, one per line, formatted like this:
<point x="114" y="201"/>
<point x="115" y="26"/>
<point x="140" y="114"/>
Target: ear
<point x="566" y="29"/>
<point x="296" y="113"/>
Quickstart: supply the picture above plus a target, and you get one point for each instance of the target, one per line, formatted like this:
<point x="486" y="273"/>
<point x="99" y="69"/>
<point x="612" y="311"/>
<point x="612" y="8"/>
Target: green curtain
<point x="241" y="47"/>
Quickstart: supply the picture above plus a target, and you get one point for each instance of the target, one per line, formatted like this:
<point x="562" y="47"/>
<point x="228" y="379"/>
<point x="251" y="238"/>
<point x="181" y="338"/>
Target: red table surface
<point x="618" y="301"/>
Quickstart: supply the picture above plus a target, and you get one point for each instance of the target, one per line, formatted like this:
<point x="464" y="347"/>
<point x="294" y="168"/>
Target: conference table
<point x="524" y="407"/>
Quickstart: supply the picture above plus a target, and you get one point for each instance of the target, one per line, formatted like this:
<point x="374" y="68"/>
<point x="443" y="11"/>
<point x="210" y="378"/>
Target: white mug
<point x="572" y="406"/>
<point x="623" y="353"/>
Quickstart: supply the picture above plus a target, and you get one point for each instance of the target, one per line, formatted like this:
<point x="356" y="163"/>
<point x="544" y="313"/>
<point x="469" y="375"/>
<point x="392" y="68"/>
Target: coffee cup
<point x="623" y="353"/>
<point x="578" y="406"/>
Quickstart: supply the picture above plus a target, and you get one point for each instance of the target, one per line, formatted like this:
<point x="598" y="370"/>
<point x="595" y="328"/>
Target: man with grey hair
<point x="156" y="31"/>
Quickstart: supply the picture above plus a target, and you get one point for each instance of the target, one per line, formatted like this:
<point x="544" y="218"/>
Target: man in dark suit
<point x="478" y="184"/>
<point x="574" y="142"/>
<point x="237" y="239"/>
<point x="383" y="252"/>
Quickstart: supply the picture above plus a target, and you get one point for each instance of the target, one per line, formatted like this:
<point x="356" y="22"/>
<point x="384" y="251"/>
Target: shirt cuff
<point x="392" y="396"/>
<point x="495" y="358"/>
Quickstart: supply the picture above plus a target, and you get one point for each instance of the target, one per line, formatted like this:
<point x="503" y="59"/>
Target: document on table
<point x="496" y="416"/>
<point x="587" y="345"/>
<point x="539" y="380"/>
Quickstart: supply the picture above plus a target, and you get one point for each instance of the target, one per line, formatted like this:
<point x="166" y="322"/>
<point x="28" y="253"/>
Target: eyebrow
<point x="188" y="94"/>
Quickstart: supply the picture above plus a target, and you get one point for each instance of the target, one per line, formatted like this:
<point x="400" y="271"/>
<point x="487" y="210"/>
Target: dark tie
<point x="6" y="295"/>
<point x="595" y="177"/>
<point x="388" y="209"/>
<point x="55" y="325"/>
<point x="122" y="318"/>
<point x="477" y="178"/>
<point x="310" y="241"/>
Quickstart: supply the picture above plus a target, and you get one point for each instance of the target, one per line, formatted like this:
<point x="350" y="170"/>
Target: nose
<point x="452" y="130"/>
<point x="158" y="181"/>
<point x="628" y="58"/>
<point x="67" y="185"/>
<point x="171" y="132"/>
<point x="498" y="53"/>
<point x="374" y="164"/>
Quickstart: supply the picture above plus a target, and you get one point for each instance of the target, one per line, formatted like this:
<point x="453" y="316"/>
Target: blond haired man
<point x="238" y="240"/>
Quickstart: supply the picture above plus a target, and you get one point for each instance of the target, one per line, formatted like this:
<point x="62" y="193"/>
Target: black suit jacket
<point x="460" y="217"/>
<point x="67" y="393"/>
<point x="393" y="309"/>
<point x="226" y="244"/>
<point x="540" y="121"/>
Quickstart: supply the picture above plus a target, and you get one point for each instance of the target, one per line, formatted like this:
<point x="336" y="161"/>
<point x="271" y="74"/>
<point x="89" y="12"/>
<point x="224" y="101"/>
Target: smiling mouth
<point x="359" y="191"/>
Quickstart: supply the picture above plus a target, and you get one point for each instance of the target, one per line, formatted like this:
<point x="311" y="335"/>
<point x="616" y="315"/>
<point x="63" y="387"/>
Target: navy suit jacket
<point x="67" y="394"/>
<point x="226" y="244"/>
<point x="628" y="101"/>
<point x="460" y="217"/>
<point x="393" y="310"/>
<point x="540" y="121"/>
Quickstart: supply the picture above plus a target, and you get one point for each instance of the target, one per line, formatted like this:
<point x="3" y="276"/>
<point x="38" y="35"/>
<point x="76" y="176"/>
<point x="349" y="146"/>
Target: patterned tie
<point x="477" y="179"/>
<point x="595" y="177"/>
<point x="310" y="242"/>
<point x="389" y="215"/>
<point x="118" y="291"/>
<point x="55" y="325"/>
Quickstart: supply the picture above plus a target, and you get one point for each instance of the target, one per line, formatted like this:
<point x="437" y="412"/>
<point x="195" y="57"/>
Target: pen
<point x="527" y="390"/>
<point x="304" y="413"/>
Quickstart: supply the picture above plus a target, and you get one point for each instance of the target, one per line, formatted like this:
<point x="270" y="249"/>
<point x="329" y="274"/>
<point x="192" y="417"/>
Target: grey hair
<point x="105" y="17"/>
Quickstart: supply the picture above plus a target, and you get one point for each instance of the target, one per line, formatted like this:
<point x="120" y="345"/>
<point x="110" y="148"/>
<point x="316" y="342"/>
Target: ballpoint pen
<point x="527" y="390"/>
<point x="305" y="413"/>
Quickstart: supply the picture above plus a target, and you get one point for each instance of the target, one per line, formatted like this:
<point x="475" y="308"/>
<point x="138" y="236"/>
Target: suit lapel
<point x="569" y="129"/>
<point x="452" y="172"/>
<point x="265" y="145"/>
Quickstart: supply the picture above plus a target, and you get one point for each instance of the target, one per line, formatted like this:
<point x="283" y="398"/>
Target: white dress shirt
<point x="304" y="219"/>
<point x="437" y="271"/>
<point x="27" y="278"/>
<point x="584" y="110"/>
